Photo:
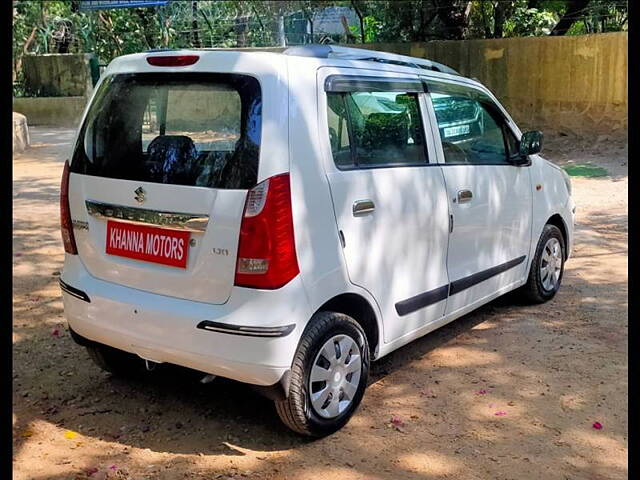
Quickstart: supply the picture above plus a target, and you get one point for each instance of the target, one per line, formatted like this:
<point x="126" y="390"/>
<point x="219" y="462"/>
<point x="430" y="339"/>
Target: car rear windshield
<point x="187" y="129"/>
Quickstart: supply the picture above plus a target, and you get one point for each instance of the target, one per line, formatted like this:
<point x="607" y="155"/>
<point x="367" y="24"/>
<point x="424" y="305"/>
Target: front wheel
<point x="547" y="266"/>
<point x="328" y="376"/>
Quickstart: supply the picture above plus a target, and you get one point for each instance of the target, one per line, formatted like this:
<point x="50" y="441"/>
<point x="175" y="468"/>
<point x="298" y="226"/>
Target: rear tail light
<point x="266" y="251"/>
<point x="172" y="60"/>
<point x="66" y="226"/>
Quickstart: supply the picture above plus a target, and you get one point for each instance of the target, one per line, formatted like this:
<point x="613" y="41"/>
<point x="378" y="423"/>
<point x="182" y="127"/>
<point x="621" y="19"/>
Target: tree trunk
<point x="194" y="25"/>
<point x="351" y="38"/>
<point x="501" y="12"/>
<point x="241" y="31"/>
<point x="146" y="30"/>
<point x="428" y="13"/>
<point x="43" y="22"/>
<point x="282" y="40"/>
<point x="361" y="19"/>
<point x="574" y="10"/>
<point x="25" y="50"/>
<point x="455" y="18"/>
<point x="487" y="29"/>
<point x="206" y="19"/>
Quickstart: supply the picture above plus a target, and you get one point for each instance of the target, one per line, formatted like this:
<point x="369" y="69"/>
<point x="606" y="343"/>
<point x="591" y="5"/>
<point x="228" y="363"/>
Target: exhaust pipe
<point x="208" y="379"/>
<point x="150" y="365"/>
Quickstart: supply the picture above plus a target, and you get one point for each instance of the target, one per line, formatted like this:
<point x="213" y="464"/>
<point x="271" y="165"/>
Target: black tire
<point x="296" y="410"/>
<point x="117" y="362"/>
<point x="534" y="290"/>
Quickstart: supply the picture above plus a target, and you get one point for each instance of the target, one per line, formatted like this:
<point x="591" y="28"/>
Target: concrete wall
<point x="58" y="75"/>
<point x="59" y="85"/>
<point x="576" y="84"/>
<point x="51" y="111"/>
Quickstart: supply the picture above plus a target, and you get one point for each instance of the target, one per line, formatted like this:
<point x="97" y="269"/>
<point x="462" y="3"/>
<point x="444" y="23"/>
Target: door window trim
<point x="344" y="84"/>
<point x="506" y="123"/>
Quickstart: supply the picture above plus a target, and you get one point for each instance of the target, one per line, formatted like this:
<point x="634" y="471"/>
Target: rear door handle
<point x="464" y="196"/>
<point x="363" y="207"/>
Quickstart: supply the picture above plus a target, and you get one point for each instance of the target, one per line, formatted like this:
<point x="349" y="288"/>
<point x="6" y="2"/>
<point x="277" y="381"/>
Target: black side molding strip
<point x="74" y="292"/>
<point x="468" y="282"/>
<point x="282" y="331"/>
<point x="422" y="300"/>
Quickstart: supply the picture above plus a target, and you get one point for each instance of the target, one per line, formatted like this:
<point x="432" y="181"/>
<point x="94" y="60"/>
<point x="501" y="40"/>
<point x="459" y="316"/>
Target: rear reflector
<point x="66" y="226"/>
<point x="266" y="252"/>
<point x="173" y="60"/>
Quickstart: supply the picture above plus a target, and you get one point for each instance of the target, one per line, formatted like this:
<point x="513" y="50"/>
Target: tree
<point x="194" y="24"/>
<point x="574" y="9"/>
<point x="60" y="26"/>
<point x="455" y="18"/>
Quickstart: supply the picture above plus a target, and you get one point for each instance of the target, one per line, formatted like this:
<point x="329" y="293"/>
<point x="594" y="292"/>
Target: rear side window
<point x="187" y="129"/>
<point x="375" y="129"/>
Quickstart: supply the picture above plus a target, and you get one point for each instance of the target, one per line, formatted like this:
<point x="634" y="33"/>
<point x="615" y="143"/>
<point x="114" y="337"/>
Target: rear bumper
<point x="253" y="349"/>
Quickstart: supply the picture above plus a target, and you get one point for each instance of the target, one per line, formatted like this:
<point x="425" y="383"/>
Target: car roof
<point x="308" y="56"/>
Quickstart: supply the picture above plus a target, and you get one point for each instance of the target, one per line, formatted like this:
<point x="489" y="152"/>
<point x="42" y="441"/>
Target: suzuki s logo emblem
<point x="140" y="194"/>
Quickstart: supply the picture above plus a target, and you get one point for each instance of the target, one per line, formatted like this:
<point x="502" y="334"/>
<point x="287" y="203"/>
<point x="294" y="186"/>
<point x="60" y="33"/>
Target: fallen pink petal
<point x="597" y="425"/>
<point x="113" y="467"/>
<point x="396" y="422"/>
<point x="55" y="333"/>
<point x="481" y="392"/>
<point x="500" y="413"/>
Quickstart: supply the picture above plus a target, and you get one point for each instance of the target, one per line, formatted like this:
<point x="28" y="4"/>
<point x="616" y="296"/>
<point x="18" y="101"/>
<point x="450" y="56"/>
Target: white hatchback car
<point x="283" y="219"/>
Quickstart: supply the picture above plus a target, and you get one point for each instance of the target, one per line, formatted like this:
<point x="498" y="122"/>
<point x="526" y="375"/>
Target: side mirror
<point x="530" y="143"/>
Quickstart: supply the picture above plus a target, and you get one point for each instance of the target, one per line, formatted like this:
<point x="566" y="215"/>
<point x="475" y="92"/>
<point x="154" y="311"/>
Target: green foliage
<point x="232" y="23"/>
<point x="530" y="21"/>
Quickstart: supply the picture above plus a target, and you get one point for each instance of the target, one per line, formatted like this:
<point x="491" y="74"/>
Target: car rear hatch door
<point x="159" y="177"/>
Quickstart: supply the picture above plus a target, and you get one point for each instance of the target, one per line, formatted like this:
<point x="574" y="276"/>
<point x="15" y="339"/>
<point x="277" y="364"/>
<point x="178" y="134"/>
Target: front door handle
<point x="464" y="196"/>
<point x="362" y="207"/>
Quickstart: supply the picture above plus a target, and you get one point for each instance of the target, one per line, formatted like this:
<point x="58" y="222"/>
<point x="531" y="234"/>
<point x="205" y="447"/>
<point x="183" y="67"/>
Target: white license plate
<point x="455" y="131"/>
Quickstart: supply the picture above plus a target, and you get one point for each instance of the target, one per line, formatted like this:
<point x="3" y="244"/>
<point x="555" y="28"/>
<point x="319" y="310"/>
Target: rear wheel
<point x="328" y="376"/>
<point x="547" y="266"/>
<point x="115" y="361"/>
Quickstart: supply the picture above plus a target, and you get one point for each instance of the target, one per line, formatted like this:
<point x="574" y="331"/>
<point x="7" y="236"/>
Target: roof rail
<point x="348" y="53"/>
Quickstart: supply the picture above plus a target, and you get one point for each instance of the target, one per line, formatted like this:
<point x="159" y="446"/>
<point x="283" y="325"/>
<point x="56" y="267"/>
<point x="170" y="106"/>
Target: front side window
<point x="187" y="129"/>
<point x="472" y="128"/>
<point x="375" y="129"/>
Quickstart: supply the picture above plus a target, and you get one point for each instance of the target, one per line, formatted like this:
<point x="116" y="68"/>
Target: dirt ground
<point x="507" y="392"/>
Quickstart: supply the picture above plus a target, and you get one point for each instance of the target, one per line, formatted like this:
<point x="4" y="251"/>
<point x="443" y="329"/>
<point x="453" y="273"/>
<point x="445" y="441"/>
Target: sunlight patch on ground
<point x="609" y="448"/>
<point x="464" y="357"/>
<point x="429" y="463"/>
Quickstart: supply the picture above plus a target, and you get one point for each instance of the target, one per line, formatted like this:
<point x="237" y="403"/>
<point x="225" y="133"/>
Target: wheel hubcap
<point x="551" y="264"/>
<point x="335" y="376"/>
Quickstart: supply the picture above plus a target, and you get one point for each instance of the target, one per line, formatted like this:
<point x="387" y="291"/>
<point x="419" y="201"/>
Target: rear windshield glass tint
<point x="188" y="129"/>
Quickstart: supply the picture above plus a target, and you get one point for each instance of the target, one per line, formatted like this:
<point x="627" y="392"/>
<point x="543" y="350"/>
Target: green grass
<point x="585" y="170"/>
